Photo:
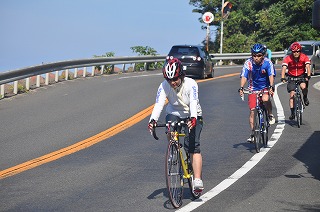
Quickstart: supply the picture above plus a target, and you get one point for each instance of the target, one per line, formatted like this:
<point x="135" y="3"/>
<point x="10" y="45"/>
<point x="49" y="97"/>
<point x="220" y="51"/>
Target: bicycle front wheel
<point x="265" y="129"/>
<point x="174" y="175"/>
<point x="256" y="131"/>
<point x="298" y="111"/>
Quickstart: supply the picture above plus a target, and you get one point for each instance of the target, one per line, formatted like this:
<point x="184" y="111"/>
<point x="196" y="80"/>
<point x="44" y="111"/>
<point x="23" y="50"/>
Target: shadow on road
<point x="309" y="154"/>
<point x="164" y="192"/>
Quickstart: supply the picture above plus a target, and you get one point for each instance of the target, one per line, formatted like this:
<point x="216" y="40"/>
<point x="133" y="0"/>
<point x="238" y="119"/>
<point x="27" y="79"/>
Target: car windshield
<point x="177" y="51"/>
<point x="306" y="49"/>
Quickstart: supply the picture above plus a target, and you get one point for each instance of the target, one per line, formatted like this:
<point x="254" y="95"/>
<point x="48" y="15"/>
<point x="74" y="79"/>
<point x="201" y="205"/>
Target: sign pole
<point x="207" y="18"/>
<point x="208" y="32"/>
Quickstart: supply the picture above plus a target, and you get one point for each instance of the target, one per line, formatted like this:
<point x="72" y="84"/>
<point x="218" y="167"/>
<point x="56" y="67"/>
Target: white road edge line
<point x="248" y="165"/>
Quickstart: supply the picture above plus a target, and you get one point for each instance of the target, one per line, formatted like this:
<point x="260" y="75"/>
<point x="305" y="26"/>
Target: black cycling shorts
<point x="191" y="142"/>
<point x="292" y="83"/>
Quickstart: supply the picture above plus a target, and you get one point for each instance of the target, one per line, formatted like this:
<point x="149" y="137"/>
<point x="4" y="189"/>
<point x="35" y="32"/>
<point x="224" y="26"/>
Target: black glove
<point x="272" y="88"/>
<point x="283" y="79"/>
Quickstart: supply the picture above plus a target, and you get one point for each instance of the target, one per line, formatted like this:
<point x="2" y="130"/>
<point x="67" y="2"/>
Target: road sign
<point x="207" y="17"/>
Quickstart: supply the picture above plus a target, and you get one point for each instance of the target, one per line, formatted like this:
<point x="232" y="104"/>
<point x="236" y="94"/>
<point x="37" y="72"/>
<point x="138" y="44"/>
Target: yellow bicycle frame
<point x="175" y="136"/>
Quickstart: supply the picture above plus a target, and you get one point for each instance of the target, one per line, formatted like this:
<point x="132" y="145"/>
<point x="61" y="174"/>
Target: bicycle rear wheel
<point x="195" y="195"/>
<point x="265" y="128"/>
<point x="174" y="175"/>
<point x="257" y="139"/>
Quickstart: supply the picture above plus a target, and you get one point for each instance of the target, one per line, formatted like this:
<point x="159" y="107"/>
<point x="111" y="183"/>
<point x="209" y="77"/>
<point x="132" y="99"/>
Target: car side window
<point x="307" y="49"/>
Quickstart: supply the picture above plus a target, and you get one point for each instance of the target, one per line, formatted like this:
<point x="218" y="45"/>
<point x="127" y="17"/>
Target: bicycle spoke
<point x="265" y="128"/>
<point x="298" y="111"/>
<point x="257" y="134"/>
<point x="174" y="175"/>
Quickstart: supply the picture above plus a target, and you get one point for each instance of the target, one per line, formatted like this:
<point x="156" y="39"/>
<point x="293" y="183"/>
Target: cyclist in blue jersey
<point x="268" y="52"/>
<point x="258" y="71"/>
<point x="269" y="55"/>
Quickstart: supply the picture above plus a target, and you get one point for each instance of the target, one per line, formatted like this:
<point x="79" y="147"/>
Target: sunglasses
<point x="257" y="55"/>
<point x="296" y="51"/>
<point x="173" y="79"/>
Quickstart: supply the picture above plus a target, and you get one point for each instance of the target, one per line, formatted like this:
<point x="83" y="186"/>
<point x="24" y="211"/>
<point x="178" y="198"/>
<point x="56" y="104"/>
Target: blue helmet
<point x="258" y="48"/>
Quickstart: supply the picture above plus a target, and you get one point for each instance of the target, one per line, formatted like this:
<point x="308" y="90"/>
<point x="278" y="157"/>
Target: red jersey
<point x="296" y="68"/>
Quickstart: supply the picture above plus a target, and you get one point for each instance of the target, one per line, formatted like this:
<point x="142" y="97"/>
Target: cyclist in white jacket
<point x="182" y="95"/>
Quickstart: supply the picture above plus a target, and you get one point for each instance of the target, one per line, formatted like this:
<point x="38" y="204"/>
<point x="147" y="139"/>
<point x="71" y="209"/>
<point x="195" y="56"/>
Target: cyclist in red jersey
<point x="297" y="63"/>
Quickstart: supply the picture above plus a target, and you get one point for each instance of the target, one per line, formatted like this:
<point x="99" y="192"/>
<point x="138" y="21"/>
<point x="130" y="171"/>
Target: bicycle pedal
<point x="199" y="191"/>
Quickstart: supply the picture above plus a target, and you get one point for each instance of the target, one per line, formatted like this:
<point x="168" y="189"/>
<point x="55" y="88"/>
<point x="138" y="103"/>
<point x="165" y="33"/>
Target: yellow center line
<point x="87" y="142"/>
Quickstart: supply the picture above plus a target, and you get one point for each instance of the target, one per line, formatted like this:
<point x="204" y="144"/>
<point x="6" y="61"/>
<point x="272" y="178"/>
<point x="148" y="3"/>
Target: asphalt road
<point x="126" y="171"/>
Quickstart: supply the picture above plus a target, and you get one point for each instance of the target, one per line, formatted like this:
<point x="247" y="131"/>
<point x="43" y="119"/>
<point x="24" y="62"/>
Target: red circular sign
<point x="207" y="17"/>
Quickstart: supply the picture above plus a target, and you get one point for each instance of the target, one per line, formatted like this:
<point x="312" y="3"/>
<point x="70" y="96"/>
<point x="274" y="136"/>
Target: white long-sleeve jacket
<point x="183" y="101"/>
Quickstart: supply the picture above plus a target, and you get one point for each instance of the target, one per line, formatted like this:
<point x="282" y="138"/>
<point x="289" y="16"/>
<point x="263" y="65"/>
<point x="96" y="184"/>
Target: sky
<point x="44" y="31"/>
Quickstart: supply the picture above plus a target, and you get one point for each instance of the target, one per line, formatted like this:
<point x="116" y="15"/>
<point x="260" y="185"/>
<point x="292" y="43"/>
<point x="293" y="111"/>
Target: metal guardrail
<point x="238" y="56"/>
<point x="26" y="73"/>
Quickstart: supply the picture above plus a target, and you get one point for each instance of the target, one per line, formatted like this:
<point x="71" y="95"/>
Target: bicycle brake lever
<point x="154" y="133"/>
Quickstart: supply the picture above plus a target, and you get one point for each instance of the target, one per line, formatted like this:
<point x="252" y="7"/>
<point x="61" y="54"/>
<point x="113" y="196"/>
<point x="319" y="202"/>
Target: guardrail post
<point x="2" y="91"/>
<point x="145" y="66"/>
<point x="56" y="77"/>
<point x="66" y="74"/>
<point x="15" y="87"/>
<point x="75" y="73"/>
<point x="28" y="83"/>
<point x="92" y="71"/>
<point x="84" y="71"/>
<point x="101" y="71"/>
<point x="38" y="81"/>
<point x="47" y="79"/>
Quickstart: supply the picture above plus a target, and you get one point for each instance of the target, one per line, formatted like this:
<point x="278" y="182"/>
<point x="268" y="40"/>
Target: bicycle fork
<point x="261" y="129"/>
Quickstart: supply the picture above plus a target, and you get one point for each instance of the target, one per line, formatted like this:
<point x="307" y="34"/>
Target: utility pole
<point x="221" y="29"/>
<point x="225" y="10"/>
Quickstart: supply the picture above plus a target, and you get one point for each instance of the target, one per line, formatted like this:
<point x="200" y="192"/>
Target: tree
<point x="108" y="69"/>
<point x="145" y="50"/>
<point x="276" y="23"/>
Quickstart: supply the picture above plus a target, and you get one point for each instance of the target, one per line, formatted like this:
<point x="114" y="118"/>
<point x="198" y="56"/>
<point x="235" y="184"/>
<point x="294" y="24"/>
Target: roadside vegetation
<point x="276" y="23"/>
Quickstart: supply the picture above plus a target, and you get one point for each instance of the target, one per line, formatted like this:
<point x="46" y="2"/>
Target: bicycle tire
<point x="195" y="195"/>
<point x="256" y="131"/>
<point x="174" y="175"/>
<point x="265" y="129"/>
<point x="301" y="110"/>
<point x="298" y="111"/>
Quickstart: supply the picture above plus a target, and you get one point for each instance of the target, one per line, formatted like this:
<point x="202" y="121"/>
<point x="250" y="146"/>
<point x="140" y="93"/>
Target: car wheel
<point x="211" y="72"/>
<point x="203" y="76"/>
<point x="312" y="70"/>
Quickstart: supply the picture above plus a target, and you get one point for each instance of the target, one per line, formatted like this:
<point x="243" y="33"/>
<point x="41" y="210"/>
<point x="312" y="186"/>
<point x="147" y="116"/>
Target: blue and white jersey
<point x="257" y="75"/>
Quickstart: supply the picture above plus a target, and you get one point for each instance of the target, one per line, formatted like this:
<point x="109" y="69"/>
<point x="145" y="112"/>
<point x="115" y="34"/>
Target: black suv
<point x="195" y="60"/>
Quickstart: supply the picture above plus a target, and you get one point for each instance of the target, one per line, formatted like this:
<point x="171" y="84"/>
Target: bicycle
<point x="260" y="122"/>
<point x="178" y="168"/>
<point x="298" y="102"/>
